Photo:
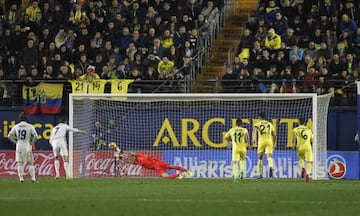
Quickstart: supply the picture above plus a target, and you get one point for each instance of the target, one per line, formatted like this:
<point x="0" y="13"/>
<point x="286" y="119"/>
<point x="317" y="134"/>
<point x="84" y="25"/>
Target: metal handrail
<point x="196" y="57"/>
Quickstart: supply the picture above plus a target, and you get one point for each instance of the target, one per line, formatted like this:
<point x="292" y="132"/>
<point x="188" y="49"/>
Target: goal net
<point x="188" y="130"/>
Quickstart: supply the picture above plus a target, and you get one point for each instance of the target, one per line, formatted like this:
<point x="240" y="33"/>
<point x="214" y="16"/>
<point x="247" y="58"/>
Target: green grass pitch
<point x="120" y="196"/>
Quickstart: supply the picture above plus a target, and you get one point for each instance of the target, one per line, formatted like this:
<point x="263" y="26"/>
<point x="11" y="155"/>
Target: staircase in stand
<point x="226" y="42"/>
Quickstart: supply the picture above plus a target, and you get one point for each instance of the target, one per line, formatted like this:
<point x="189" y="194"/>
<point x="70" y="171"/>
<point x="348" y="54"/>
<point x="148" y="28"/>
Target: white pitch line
<point x="285" y="202"/>
<point x="315" y="202"/>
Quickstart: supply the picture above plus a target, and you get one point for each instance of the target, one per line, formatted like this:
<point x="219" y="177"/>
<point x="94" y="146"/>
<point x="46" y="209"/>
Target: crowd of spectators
<point x="131" y="39"/>
<point x="298" y="46"/>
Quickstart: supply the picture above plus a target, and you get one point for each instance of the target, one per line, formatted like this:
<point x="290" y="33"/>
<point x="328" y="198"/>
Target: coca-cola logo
<point x="43" y="162"/>
<point x="7" y="165"/>
<point x="96" y="164"/>
<point x="100" y="166"/>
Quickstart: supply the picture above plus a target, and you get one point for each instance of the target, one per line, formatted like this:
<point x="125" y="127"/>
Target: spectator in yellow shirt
<point x="272" y="40"/>
<point x="165" y="64"/>
<point x="32" y="10"/>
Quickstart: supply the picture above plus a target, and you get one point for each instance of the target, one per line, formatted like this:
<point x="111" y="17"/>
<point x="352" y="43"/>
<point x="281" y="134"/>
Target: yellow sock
<point x="308" y="168"/>
<point x="235" y="169"/>
<point x="242" y="166"/>
<point x="301" y="163"/>
<point x="259" y="167"/>
<point x="270" y="162"/>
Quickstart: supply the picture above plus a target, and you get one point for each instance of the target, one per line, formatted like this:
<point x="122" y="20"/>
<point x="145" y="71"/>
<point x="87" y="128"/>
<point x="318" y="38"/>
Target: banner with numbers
<point x="120" y="86"/>
<point x="78" y="86"/>
<point x="96" y="86"/>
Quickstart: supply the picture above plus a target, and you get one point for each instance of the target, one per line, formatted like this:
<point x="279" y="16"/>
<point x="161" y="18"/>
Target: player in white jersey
<point x="58" y="143"/>
<point x="24" y="136"/>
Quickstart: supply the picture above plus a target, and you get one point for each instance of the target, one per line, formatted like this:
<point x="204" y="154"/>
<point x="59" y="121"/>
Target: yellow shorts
<point x="265" y="146"/>
<point x="305" y="153"/>
<point x="238" y="154"/>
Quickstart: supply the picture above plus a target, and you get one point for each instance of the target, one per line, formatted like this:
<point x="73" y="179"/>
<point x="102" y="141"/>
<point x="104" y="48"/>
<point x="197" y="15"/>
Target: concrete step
<point x="219" y="55"/>
<point x="232" y="29"/>
<point x="212" y="71"/>
<point x="227" y="39"/>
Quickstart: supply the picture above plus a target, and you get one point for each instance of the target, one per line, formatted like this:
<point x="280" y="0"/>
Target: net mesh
<point x="188" y="130"/>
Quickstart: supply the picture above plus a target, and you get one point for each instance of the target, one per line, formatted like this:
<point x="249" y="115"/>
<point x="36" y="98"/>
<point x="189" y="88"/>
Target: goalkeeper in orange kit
<point x="159" y="166"/>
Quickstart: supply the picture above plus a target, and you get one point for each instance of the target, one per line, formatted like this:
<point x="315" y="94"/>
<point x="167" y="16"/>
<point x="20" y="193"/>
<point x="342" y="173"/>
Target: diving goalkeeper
<point x="151" y="163"/>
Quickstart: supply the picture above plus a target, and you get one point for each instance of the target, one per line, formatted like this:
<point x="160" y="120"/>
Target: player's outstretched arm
<point x="247" y="141"/>
<point x="294" y="141"/>
<point x="82" y="131"/>
<point x="127" y="157"/>
<point x="126" y="160"/>
<point x="254" y="137"/>
<point x="227" y="136"/>
<point x="274" y="137"/>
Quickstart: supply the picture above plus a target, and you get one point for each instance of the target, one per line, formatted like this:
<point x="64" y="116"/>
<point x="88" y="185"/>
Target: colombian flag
<point x="30" y="96"/>
<point x="50" y="98"/>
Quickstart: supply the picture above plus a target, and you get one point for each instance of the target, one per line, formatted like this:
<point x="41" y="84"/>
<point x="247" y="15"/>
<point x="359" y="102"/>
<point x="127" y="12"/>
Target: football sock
<point x="20" y="170"/>
<point x="180" y="168"/>
<point x="301" y="163"/>
<point x="242" y="166"/>
<point x="66" y="168"/>
<point x="308" y="168"/>
<point x="57" y="167"/>
<point x="270" y="162"/>
<point x="32" y="172"/>
<point x="173" y="176"/>
<point x="235" y="169"/>
<point x="259" y="168"/>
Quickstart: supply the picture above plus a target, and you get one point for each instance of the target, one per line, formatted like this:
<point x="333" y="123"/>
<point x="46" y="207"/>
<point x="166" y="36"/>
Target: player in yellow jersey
<point x="239" y="137"/>
<point x="302" y="139"/>
<point x="264" y="138"/>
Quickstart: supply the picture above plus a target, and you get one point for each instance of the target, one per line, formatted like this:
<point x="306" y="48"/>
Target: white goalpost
<point x="188" y="130"/>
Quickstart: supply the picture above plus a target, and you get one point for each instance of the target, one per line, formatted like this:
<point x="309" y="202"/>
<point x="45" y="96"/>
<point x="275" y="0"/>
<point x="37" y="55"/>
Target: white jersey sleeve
<point x="58" y="133"/>
<point x="23" y="132"/>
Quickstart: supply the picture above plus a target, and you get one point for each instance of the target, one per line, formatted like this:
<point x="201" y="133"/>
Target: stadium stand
<point x="271" y="46"/>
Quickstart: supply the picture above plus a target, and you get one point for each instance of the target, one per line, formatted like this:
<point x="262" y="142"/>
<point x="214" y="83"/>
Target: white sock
<point x="20" y="170"/>
<point x="57" y="167"/>
<point x="32" y="172"/>
<point x="66" y="167"/>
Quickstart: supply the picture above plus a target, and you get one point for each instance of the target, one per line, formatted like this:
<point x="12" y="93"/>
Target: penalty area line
<point x="286" y="202"/>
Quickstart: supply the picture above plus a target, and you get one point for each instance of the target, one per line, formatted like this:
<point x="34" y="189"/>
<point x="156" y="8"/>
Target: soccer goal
<point x="188" y="130"/>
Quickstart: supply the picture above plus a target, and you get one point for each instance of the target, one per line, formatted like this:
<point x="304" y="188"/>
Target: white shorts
<point x="24" y="157"/>
<point x="60" y="149"/>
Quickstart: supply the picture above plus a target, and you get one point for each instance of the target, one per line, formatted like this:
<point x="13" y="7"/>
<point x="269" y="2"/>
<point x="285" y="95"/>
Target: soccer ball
<point x="112" y="145"/>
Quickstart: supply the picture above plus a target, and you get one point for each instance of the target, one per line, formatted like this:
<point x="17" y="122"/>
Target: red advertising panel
<point x="88" y="164"/>
<point x="43" y="162"/>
